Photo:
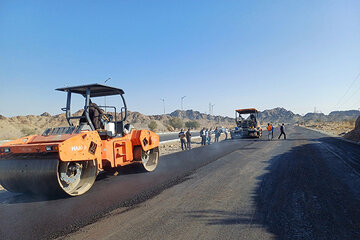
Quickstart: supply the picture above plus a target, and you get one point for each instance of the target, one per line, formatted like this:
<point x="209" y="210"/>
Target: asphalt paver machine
<point x="246" y="127"/>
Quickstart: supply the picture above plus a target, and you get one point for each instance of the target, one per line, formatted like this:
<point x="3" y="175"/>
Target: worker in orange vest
<point x="269" y="128"/>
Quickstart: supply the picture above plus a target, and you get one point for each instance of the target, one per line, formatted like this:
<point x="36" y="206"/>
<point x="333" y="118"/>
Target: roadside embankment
<point x="333" y="128"/>
<point x="354" y="135"/>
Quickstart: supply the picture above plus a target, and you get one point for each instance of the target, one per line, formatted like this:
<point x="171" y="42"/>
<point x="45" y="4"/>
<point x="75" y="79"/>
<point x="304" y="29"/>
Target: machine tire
<point x="83" y="182"/>
<point x="149" y="159"/>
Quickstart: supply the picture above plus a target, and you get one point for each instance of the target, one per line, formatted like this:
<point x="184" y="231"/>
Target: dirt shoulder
<point x="333" y="128"/>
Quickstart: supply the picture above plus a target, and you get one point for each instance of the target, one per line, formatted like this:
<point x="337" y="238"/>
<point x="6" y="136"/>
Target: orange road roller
<point x="67" y="160"/>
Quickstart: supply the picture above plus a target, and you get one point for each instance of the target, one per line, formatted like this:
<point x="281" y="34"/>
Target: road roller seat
<point x="127" y="128"/>
<point x="83" y="126"/>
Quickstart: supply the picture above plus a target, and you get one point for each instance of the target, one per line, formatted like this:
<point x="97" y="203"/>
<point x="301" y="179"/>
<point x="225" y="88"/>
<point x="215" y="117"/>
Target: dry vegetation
<point x="335" y="128"/>
<point x="348" y="129"/>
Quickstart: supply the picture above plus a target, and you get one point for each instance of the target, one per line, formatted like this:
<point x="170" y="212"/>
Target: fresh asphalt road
<point x="307" y="187"/>
<point x="175" y="135"/>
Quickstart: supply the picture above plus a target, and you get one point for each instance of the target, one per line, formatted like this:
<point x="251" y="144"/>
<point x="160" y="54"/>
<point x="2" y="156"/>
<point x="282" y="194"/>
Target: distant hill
<point x="278" y="115"/>
<point x="15" y="127"/>
<point x="344" y="115"/>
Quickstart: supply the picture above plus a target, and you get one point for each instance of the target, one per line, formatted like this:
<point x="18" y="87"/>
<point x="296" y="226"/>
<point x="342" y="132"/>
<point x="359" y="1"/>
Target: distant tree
<point x="152" y="125"/>
<point x="176" y="122"/>
<point x="192" y="124"/>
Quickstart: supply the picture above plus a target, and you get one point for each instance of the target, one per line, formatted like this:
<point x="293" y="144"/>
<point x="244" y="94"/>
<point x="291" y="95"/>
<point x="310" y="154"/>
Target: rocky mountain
<point x="15" y="127"/>
<point x="278" y="115"/>
<point x="343" y="115"/>
<point x="315" y="117"/>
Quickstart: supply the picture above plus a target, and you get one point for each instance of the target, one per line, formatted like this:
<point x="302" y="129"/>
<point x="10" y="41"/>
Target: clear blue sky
<point x="264" y="54"/>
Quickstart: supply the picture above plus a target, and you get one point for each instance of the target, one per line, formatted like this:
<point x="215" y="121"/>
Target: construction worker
<point x="206" y="136"/>
<point x="209" y="136"/>
<point x="203" y="136"/>
<point x="182" y="139"/>
<point x="282" y="131"/>
<point x="94" y="113"/>
<point x="269" y="129"/>
<point x="188" y="139"/>
<point x="217" y="134"/>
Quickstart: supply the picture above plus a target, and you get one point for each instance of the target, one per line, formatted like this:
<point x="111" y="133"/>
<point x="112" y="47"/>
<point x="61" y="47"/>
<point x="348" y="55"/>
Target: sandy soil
<point x="172" y="147"/>
<point x="336" y="128"/>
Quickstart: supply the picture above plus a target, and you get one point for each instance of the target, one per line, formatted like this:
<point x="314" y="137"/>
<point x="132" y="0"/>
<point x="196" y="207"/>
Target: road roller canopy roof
<point x="247" y="111"/>
<point x="96" y="90"/>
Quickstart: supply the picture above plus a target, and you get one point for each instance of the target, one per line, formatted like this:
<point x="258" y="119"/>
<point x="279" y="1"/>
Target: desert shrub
<point x="170" y="128"/>
<point x="176" y="122"/>
<point x="28" y="131"/>
<point x="192" y="124"/>
<point x="351" y="122"/>
<point x="152" y="125"/>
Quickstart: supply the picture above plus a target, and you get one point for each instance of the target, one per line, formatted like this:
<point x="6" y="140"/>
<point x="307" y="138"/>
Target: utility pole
<point x="182" y="99"/>
<point x="212" y="109"/>
<point x="209" y="108"/>
<point x="163" y="100"/>
<point x="105" y="96"/>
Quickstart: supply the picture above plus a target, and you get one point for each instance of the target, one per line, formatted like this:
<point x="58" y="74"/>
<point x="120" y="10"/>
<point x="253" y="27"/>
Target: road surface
<point x="307" y="187"/>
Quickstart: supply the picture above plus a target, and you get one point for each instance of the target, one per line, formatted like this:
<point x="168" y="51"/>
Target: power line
<point x="354" y="93"/>
<point x="347" y="91"/>
<point x="163" y="100"/>
<point x="182" y="99"/>
<point x="105" y="96"/>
